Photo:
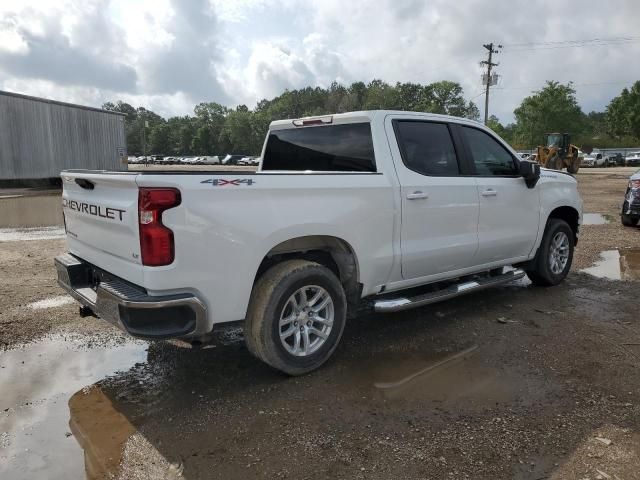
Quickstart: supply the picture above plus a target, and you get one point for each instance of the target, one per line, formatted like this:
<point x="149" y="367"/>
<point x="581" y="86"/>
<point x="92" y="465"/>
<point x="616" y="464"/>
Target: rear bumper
<point x="130" y="307"/>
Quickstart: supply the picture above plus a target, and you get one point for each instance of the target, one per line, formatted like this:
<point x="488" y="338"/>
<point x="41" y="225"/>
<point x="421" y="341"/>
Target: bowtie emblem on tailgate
<point x="223" y="182"/>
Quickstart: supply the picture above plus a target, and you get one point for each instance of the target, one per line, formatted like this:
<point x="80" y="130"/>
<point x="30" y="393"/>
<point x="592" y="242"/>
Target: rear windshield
<point x="331" y="148"/>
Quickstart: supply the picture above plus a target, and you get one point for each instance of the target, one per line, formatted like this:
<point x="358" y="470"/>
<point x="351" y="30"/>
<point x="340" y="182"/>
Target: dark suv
<point x="631" y="207"/>
<point x="614" y="159"/>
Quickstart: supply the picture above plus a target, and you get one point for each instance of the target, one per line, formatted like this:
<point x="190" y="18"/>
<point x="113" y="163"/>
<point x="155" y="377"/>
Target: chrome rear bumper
<point x="129" y="307"/>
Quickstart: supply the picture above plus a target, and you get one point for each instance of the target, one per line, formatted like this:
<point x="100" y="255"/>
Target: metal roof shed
<point x="41" y="137"/>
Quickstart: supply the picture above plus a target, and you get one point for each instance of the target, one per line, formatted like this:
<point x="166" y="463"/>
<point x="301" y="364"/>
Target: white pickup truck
<point x="385" y="209"/>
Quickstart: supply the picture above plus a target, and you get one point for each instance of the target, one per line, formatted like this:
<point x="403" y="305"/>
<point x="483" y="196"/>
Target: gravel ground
<point x="515" y="382"/>
<point x="602" y="191"/>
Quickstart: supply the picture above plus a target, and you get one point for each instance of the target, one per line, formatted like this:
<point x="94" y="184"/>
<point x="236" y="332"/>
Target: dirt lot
<point x="515" y="382"/>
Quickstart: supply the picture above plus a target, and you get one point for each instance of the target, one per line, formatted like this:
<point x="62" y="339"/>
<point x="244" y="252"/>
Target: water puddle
<point x="51" y="302"/>
<point x="450" y="379"/>
<point x="30" y="211"/>
<point x="595" y="219"/>
<point x="36" y="381"/>
<point x="621" y="264"/>
<point x="26" y="234"/>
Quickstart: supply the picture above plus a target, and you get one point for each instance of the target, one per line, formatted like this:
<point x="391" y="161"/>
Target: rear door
<point x="509" y="211"/>
<point x="440" y="207"/>
<point x="101" y="219"/>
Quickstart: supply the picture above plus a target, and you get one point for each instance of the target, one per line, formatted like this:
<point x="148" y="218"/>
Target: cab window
<point x="489" y="156"/>
<point x="427" y="148"/>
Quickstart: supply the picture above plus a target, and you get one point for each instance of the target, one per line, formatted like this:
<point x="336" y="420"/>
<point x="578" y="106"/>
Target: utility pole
<point x="489" y="80"/>
<point x="145" y="124"/>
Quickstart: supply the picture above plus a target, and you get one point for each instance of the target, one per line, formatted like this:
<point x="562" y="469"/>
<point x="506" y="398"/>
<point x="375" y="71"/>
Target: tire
<point x="274" y="296"/>
<point x="628" y="220"/>
<point x="574" y="166"/>
<point x="540" y="272"/>
<point x="555" y="163"/>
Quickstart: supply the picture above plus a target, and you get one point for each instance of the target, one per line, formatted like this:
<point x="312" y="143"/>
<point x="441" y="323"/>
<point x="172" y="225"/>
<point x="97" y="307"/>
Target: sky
<point x="169" y="55"/>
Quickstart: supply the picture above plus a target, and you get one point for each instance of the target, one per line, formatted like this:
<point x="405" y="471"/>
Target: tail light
<point x="634" y="183"/>
<point x="156" y="240"/>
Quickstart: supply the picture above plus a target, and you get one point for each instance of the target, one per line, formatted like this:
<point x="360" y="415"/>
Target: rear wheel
<point x="296" y="316"/>
<point x="553" y="260"/>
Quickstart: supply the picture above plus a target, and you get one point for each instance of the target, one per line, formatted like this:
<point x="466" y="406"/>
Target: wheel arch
<point x="332" y="252"/>
<point x="569" y="215"/>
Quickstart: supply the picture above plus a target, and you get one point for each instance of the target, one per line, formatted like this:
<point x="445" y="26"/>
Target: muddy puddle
<point x="37" y="381"/>
<point x="30" y="211"/>
<point x="595" y="219"/>
<point x="621" y="264"/>
<point x="448" y="379"/>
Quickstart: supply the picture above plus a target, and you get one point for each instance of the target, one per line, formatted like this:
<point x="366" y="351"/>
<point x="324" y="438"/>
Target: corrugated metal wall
<point x="39" y="137"/>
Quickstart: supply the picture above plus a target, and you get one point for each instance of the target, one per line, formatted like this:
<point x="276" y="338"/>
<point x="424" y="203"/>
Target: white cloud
<point x="170" y="54"/>
<point x="275" y="66"/>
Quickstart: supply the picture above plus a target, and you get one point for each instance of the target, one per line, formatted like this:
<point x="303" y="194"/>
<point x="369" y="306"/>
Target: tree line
<point x="214" y="129"/>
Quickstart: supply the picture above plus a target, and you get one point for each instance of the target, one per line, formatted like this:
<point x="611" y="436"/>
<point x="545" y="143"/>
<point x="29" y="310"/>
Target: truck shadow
<point x="402" y="392"/>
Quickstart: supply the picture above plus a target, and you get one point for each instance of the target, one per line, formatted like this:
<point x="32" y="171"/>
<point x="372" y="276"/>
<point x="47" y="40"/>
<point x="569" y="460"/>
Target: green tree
<point x="209" y="122"/>
<point x="160" y="139"/>
<point x="239" y="132"/>
<point x="622" y="116"/>
<point x="380" y="96"/>
<point x="216" y="129"/>
<point x="446" y="97"/>
<point x="552" y="109"/>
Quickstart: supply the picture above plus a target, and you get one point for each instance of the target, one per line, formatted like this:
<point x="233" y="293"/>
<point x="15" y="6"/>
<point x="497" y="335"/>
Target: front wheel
<point x="553" y="260"/>
<point x="296" y="316"/>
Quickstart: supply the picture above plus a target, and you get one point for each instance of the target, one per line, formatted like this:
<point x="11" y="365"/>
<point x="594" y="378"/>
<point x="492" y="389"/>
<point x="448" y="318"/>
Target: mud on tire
<point x="278" y="308"/>
<point x="549" y="267"/>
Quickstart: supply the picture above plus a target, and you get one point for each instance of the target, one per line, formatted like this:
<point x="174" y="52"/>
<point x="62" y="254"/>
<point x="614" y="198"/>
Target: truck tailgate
<point x="101" y="219"/>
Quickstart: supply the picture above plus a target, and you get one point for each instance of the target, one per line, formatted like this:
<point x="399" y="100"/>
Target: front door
<point x="509" y="211"/>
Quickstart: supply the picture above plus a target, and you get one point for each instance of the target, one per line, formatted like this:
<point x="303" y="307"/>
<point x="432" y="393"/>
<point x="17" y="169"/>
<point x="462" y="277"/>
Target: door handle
<point x="489" y="192"/>
<point x="417" y="195"/>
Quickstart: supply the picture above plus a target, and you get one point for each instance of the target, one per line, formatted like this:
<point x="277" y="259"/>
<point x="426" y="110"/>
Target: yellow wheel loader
<point x="559" y="153"/>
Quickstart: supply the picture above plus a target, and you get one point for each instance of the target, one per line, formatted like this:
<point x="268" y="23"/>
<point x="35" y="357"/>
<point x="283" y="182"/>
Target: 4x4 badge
<point x="223" y="182"/>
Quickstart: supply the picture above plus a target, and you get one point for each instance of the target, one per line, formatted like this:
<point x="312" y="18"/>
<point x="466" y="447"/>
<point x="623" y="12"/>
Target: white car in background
<point x="594" y="159"/>
<point x="632" y="159"/>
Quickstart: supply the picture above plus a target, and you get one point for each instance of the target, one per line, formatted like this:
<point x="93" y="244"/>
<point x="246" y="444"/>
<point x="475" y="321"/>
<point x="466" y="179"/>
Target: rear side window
<point x="427" y="148"/>
<point x="331" y="148"/>
<point x="489" y="157"/>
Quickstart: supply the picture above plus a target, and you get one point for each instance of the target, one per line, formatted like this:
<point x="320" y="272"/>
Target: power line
<point x="572" y="42"/>
<point x="522" y="87"/>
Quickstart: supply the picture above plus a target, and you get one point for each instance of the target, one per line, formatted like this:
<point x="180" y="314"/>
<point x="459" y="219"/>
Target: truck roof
<point x="363" y="116"/>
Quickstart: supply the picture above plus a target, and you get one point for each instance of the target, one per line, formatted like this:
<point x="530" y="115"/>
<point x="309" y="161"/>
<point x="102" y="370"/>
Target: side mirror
<point x="530" y="171"/>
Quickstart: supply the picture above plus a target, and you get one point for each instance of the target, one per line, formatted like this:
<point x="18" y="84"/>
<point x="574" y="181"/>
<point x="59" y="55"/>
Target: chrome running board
<point x="469" y="286"/>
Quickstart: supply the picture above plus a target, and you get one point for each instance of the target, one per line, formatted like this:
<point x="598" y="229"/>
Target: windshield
<point x="554" y="140"/>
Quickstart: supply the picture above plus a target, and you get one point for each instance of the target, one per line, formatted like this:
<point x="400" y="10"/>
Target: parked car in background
<point x="632" y="159"/>
<point x="252" y="161"/>
<point x="594" y="159"/>
<point x="231" y="159"/>
<point x="614" y="159"/>
<point x="630" y="214"/>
